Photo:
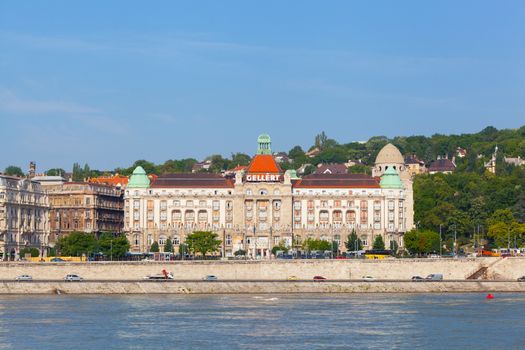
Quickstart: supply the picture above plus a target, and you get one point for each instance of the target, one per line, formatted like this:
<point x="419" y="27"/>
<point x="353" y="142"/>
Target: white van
<point x="434" y="277"/>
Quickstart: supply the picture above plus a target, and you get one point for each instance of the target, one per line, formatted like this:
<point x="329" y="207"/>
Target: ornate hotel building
<point x="24" y="213"/>
<point x="262" y="206"/>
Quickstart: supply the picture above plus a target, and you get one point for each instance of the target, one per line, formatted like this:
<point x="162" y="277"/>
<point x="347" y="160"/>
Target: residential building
<point x="331" y="169"/>
<point x="24" y="213"/>
<point x="415" y="166"/>
<point x="83" y="206"/>
<point x="442" y="165"/>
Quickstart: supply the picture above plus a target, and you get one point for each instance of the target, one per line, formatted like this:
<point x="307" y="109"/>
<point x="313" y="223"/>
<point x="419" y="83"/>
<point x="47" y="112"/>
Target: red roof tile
<point x="337" y="181"/>
<point x="265" y="164"/>
<point x="203" y="180"/>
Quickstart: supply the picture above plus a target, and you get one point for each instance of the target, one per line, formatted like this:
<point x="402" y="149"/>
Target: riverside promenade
<point x="343" y="276"/>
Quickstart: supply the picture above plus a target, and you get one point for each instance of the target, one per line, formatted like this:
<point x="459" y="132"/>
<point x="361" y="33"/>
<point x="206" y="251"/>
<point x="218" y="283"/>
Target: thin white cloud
<point x="10" y="102"/>
<point x="62" y="112"/>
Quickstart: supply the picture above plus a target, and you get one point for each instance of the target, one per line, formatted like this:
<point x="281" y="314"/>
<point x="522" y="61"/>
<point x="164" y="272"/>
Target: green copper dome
<point x="390" y="179"/>
<point x="138" y="179"/>
<point x="265" y="144"/>
<point x="293" y="174"/>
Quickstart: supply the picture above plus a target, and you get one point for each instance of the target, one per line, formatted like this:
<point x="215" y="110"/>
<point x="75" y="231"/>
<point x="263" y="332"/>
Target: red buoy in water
<point x="490" y="296"/>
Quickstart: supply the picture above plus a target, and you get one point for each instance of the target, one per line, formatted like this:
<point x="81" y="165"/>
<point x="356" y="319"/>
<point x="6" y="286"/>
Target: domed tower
<point x="389" y="157"/>
<point x="390" y="166"/>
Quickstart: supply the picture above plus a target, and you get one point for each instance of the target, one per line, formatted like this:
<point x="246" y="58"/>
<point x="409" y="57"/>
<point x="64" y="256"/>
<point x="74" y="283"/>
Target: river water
<point x="295" y="321"/>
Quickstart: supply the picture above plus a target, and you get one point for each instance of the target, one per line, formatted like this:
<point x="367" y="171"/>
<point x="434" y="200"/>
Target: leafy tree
<point x="281" y="246"/>
<point x="13" y="170"/>
<point x="33" y="251"/>
<point x="154" y="247"/>
<point x="55" y="172"/>
<point x="149" y="167"/>
<point x="320" y="140"/>
<point x="168" y="246"/>
<point x="421" y="242"/>
<point x="114" y="246"/>
<point x="360" y="169"/>
<point x="240" y="159"/>
<point x="240" y="252"/>
<point x="507" y="234"/>
<point x="353" y="242"/>
<point x="203" y="242"/>
<point x="309" y="170"/>
<point x="77" y="243"/>
<point x="316" y="244"/>
<point x="378" y="244"/>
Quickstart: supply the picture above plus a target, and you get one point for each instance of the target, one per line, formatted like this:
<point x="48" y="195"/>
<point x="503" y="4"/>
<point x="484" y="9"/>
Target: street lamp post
<point x="440" y="242"/>
<point x="455" y="241"/>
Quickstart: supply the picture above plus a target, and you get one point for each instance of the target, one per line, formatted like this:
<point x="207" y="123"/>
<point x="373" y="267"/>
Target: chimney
<point x="32" y="169"/>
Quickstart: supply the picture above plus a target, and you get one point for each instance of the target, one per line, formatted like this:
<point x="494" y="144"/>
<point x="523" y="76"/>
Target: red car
<point x="319" y="278"/>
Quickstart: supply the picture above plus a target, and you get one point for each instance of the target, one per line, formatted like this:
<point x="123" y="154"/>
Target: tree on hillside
<point x="55" y="172"/>
<point x="218" y="163"/>
<point x="378" y="244"/>
<point x="203" y="242"/>
<point x="149" y="167"/>
<point x="240" y="159"/>
<point x="13" y="170"/>
<point x="320" y="140"/>
<point x="421" y="242"/>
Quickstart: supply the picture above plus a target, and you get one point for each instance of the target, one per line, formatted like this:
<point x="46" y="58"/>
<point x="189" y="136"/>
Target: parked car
<point x="57" y="260"/>
<point x="368" y="278"/>
<point x="417" y="279"/>
<point x="210" y="278"/>
<point x="292" y="278"/>
<point x="521" y="279"/>
<point x="24" y="278"/>
<point x="319" y="278"/>
<point x="73" y="278"/>
<point x="434" y="277"/>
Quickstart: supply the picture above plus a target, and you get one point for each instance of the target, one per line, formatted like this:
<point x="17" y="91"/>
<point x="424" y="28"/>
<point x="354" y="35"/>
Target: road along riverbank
<point x="391" y="269"/>
<point x="255" y="287"/>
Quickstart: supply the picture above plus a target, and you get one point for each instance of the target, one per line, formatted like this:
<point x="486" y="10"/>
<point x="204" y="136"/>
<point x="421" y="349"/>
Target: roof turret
<point x="138" y="179"/>
<point x="391" y="179"/>
<point x="265" y="144"/>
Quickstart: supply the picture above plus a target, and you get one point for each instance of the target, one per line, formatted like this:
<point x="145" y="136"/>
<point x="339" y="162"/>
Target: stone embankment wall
<point x="452" y="269"/>
<point x="280" y="287"/>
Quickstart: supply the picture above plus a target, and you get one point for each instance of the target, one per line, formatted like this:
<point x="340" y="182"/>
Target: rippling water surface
<point x="356" y="321"/>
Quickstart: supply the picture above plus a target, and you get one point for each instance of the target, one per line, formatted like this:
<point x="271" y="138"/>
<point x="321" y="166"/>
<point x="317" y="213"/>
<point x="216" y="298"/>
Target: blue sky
<point x="109" y="82"/>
